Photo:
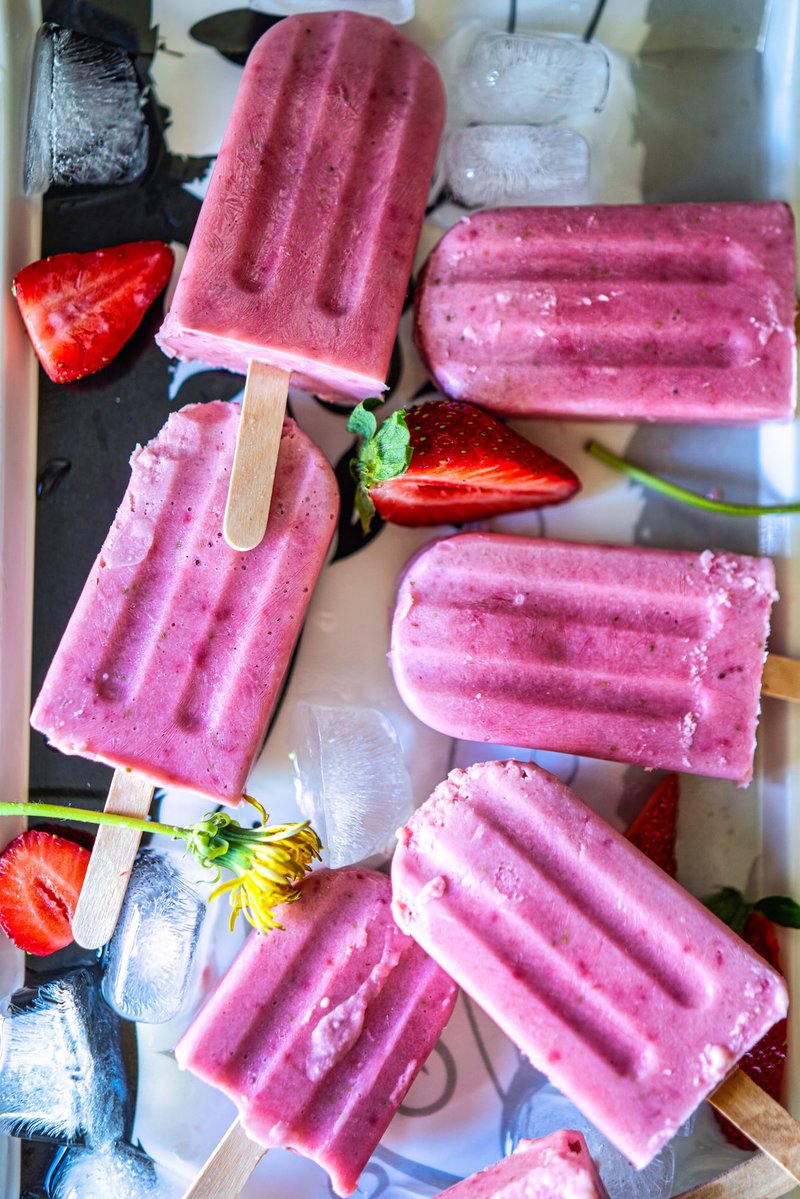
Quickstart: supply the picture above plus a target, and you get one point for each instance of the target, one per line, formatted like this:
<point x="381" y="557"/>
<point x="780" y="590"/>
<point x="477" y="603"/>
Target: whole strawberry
<point x="80" y="309"/>
<point x="446" y="462"/>
<point x="766" y="1061"/>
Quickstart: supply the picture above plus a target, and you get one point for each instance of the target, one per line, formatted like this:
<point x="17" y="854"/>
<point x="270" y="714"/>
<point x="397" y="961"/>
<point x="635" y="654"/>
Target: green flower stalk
<point x="267" y="862"/>
<point x="675" y="492"/>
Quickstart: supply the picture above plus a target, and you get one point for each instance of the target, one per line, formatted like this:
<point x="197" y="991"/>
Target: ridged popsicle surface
<point x="647" y="312"/>
<point x="613" y="980"/>
<point x="317" y="1032"/>
<point x="175" y="654"/>
<point x="304" y="245"/>
<point x="635" y="655"/>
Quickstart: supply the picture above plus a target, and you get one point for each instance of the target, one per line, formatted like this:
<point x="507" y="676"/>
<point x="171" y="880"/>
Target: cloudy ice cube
<point x="396" y="11"/>
<point x="147" y="965"/>
<point x="529" y="78"/>
<point x="516" y="164"/>
<point x="351" y="780"/>
<point x="61" y="1068"/>
<point x="546" y="1110"/>
<point x="86" y="126"/>
<point x="118" y="1172"/>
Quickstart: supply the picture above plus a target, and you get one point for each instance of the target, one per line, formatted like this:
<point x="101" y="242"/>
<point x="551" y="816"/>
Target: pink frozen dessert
<point x="619" y="985"/>
<point x="553" y="1167"/>
<point x="635" y="655"/>
<point x="175" y="654"/>
<point x="317" y="1032"/>
<point x="644" y="312"/>
<point x="304" y="246"/>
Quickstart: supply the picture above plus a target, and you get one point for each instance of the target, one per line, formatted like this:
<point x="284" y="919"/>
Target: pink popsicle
<point x="631" y="997"/>
<point x="316" y="1033"/>
<point x="303" y="249"/>
<point x="553" y="1167"/>
<point x="647" y="312"/>
<point x="635" y="655"/>
<point x="173" y="659"/>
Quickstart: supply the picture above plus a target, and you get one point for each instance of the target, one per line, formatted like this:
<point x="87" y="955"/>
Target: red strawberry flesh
<point x="80" y="309"/>
<point x="41" y="876"/>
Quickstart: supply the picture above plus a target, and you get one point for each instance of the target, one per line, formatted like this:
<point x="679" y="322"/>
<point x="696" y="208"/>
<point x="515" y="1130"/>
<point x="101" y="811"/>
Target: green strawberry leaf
<point x="731" y="908"/>
<point x="385" y="453"/>
<point x="780" y="909"/>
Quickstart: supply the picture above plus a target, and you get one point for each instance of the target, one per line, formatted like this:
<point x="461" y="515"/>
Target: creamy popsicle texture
<point x="173" y="659"/>
<point x="316" y="1033"/>
<point x="304" y="246"/>
<point x="635" y="655"/>
<point x="646" y="312"/>
<point x="631" y="997"/>
<point x="553" y="1167"/>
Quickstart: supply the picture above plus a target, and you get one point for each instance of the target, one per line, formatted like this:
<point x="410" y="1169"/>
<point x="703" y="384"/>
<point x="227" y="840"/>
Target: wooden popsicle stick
<point x="781" y="678"/>
<point x="229" y="1167"/>
<point x="759" y="1117"/>
<point x="257" y="445"/>
<point x="106" y="881"/>
<point x="758" y="1178"/>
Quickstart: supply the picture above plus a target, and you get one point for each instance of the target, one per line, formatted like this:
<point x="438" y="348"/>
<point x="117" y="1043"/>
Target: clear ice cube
<point x="86" y="126"/>
<point x="351" y="780"/>
<point x="516" y="164"/>
<point x="147" y="964"/>
<point x="61" y="1069"/>
<point x="119" y="1172"/>
<point x="396" y="11"/>
<point x="530" y="78"/>
<point x="546" y="1110"/>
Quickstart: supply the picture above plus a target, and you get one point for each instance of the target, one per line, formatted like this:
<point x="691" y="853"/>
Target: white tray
<point x="727" y="836"/>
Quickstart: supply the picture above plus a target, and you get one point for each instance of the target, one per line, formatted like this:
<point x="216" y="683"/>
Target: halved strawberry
<point x="446" y="462"/>
<point x="653" y="831"/>
<point x="80" y="309"/>
<point x="41" y="876"/>
<point x="766" y="1061"/>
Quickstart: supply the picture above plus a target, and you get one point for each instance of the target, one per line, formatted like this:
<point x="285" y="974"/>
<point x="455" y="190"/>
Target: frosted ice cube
<point x="61" y="1068"/>
<point x="86" y="126"/>
<point x="119" y="1172"/>
<point x="147" y="965"/>
<point x="546" y="1110"/>
<point x="351" y="781"/>
<point x="530" y="78"/>
<point x="396" y="11"/>
<point x="515" y="164"/>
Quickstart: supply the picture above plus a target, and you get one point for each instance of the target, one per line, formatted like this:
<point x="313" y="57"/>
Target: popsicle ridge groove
<point x="298" y="111"/>
<point x="364" y="193"/>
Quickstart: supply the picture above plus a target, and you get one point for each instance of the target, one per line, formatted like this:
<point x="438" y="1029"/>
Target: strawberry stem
<point x="385" y="453"/>
<point x="682" y="494"/>
<point x="266" y="862"/>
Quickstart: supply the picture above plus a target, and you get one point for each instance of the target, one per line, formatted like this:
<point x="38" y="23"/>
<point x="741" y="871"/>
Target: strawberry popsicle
<point x="174" y="656"/>
<point x="634" y="655"/>
<point x="317" y="1032"/>
<point x="173" y="659"/>
<point x="304" y="246"/>
<point x="631" y="997"/>
<point x="553" y="1167"/>
<point x="647" y="312"/>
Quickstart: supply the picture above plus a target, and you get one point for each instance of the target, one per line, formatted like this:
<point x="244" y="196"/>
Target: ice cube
<point x="516" y="164"/>
<point x="396" y="11"/>
<point x="530" y="78"/>
<point x="351" y="781"/>
<point x="61" y="1068"/>
<point x="119" y="1172"/>
<point x="86" y="126"/>
<point x="147" y="965"/>
<point x="546" y="1110"/>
